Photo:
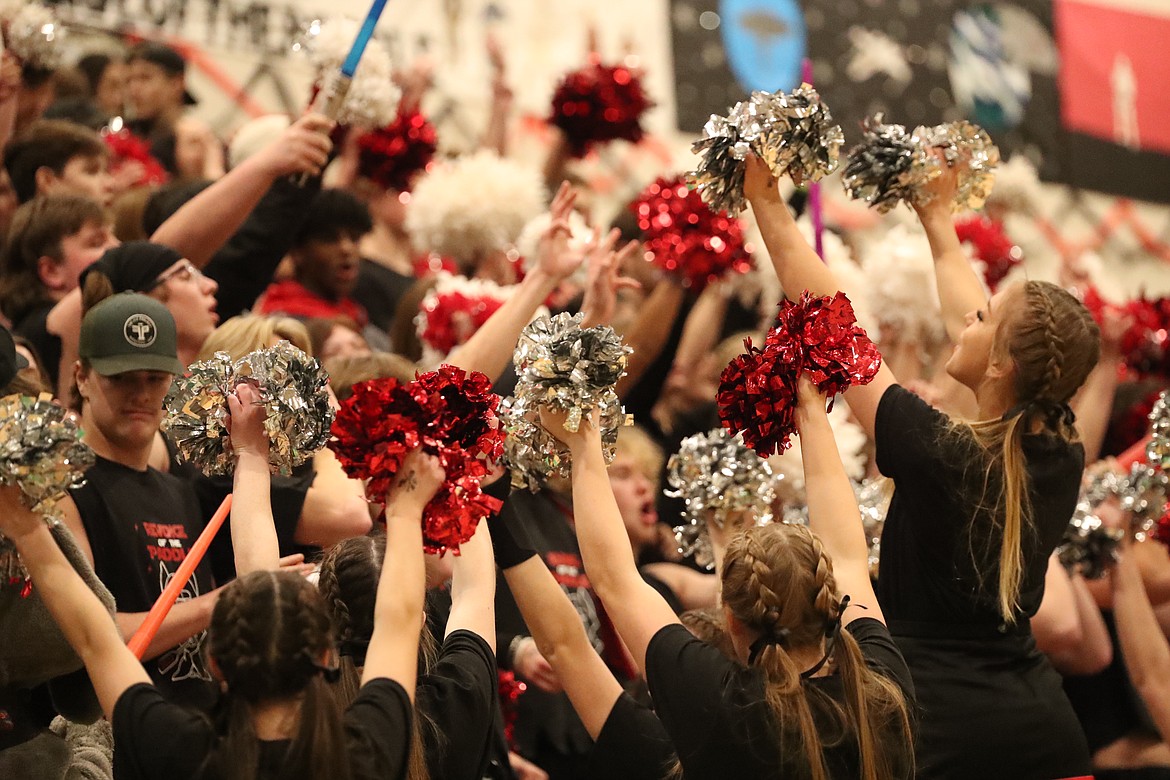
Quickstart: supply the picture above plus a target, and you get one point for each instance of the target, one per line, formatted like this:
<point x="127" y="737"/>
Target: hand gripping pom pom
<point x="447" y="412"/>
<point x="42" y="454"/>
<point x="793" y="133"/>
<point x="573" y="369"/>
<point x="292" y="389"/>
<point x="891" y="165"/>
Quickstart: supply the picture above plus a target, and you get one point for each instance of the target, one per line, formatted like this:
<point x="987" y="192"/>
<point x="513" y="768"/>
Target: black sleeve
<point x="460" y="696"/>
<point x="158" y="739"/>
<point x="632" y="745"/>
<point x="245" y="265"/>
<point x="907" y="432"/>
<point x="687" y="677"/>
<point x="377" y="731"/>
<point x="882" y="655"/>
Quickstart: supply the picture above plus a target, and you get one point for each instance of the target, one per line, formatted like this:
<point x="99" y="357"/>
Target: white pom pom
<point x="852" y="443"/>
<point x="1017" y="185"/>
<point x="34" y="36"/>
<point x="902" y="291"/>
<point x="373" y="97"/>
<point x="472" y="206"/>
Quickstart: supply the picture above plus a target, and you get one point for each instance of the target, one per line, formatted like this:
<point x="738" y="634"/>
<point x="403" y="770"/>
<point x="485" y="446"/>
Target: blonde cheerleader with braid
<point x="978" y="506"/>
<point x="271" y="642"/>
<point x="817" y="688"/>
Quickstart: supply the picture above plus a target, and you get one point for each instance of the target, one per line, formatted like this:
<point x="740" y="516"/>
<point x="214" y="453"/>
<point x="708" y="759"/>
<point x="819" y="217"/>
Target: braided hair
<point x="778" y="582"/>
<point x="1053" y="343"/>
<point x="269" y="635"/>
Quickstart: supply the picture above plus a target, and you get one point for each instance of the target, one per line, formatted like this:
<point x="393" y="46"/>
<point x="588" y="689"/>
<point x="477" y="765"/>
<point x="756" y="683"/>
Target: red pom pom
<point x="510" y="691"/>
<point x="452" y="317"/>
<point x="392" y="156"/>
<point x="599" y="103"/>
<point x="992" y="247"/>
<point x="1161" y="531"/>
<point x="448" y="413"/>
<point x="126" y="149"/>
<point x="685" y="237"/>
<point x="815" y="335"/>
<point x="1146" y="343"/>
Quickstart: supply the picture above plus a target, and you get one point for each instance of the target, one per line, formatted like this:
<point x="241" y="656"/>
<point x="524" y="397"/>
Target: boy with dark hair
<point x="325" y="262"/>
<point x="156" y="88"/>
<point x="50" y="242"/>
<point x="54" y="157"/>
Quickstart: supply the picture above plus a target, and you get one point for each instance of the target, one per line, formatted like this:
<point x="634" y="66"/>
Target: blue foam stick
<point x="349" y="67"/>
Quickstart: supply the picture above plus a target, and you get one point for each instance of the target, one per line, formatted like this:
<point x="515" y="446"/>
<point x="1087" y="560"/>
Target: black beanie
<point x="134" y="266"/>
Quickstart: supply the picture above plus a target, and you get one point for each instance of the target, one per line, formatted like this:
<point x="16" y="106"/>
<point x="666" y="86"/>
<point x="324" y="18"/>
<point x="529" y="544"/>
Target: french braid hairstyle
<point x="778" y="581"/>
<point x="349" y="584"/>
<point x="1053" y="342"/>
<point x="268" y="635"/>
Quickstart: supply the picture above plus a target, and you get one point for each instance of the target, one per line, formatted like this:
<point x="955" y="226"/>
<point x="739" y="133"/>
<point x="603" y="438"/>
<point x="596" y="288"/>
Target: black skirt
<point x="990" y="707"/>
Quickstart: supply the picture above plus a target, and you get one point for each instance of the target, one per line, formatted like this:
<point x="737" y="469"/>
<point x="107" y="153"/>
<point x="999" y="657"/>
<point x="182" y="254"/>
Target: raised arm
<point x="80" y="614"/>
<point x="473" y="588"/>
<point x="1068" y="626"/>
<point x="398" y="606"/>
<point x="832" y="509"/>
<point x="556" y="627"/>
<point x="799" y="269"/>
<point x="1147" y="655"/>
<point x="490" y="349"/>
<point x="203" y="225"/>
<point x="496" y="135"/>
<point x="253" y="529"/>
<point x="637" y="610"/>
<point x="335" y="507"/>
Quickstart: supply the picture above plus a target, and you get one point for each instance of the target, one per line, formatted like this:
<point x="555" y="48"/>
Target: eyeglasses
<point x="184" y="271"/>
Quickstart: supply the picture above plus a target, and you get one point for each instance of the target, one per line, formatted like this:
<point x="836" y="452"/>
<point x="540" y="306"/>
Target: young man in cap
<point x="156" y="85"/>
<point x="137" y="524"/>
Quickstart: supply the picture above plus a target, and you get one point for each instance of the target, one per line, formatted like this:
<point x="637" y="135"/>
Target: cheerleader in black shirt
<point x="818" y="688"/>
<point x="978" y="507"/>
<point x="271" y="645"/>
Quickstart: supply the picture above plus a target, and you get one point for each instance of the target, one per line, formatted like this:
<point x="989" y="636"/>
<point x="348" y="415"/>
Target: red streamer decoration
<point x="447" y="412"/>
<point x="392" y="156"/>
<point x="1146" y="343"/>
<point x="597" y="104"/>
<point x="992" y="246"/>
<point x="686" y="238"/>
<point x="510" y="691"/>
<point x="454" y="316"/>
<point x="814" y="335"/>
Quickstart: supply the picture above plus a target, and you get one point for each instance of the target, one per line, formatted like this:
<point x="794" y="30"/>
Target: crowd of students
<point x="314" y="642"/>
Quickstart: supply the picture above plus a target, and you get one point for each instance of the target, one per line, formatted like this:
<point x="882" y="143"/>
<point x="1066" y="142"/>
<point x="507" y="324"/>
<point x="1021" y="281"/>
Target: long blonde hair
<point x="778" y="579"/>
<point x="1053" y="344"/>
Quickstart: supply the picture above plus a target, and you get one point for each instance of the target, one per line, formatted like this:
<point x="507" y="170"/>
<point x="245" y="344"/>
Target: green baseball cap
<point x="129" y="332"/>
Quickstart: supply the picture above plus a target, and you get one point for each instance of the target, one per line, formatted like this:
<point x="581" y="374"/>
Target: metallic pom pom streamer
<point x="570" y="368"/>
<point x="716" y="475"/>
<point x="1158" y="450"/>
<point x="969" y="146"/>
<point x="292" y="388"/>
<point x="1089" y="547"/>
<point x="42" y="454"/>
<point x="889" y="166"/>
<point x="793" y="133"/>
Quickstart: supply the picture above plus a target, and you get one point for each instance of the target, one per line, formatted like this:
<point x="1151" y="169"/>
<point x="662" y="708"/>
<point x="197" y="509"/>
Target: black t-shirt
<point x="378" y="290"/>
<point x="927" y="574"/>
<point x="632" y="745"/>
<point x="141" y="525"/>
<point x="34" y="327"/>
<point x="460" y="696"/>
<point x="158" y="740"/>
<point x="717" y="716"/>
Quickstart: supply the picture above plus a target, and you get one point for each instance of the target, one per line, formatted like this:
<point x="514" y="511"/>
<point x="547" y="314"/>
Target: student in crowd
<point x="55" y="157"/>
<point x="270" y="644"/>
<point x="978" y="507"/>
<point x="818" y="687"/>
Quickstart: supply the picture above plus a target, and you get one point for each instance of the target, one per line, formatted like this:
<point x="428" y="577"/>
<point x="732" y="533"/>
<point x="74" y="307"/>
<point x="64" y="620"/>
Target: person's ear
<point x="46" y="179"/>
<point x="51" y="273"/>
<point x="81" y="377"/>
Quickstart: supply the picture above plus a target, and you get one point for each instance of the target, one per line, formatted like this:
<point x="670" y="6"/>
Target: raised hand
<point x="942" y="188"/>
<point x="759" y="185"/>
<point x="246" y="424"/>
<point x="303" y="148"/>
<point x="417" y="482"/>
<point x="554" y="257"/>
<point x="16" y="519"/>
<point x="604" y="278"/>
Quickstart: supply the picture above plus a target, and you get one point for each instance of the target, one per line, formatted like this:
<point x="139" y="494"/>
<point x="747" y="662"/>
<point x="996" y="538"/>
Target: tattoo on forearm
<point x="408" y="481"/>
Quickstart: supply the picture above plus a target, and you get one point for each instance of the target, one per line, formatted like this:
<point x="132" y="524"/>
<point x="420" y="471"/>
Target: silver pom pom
<point x="717" y="475"/>
<point x="573" y="369"/>
<point x="890" y="165"/>
<point x="1158" y="450"/>
<point x="792" y="132"/>
<point x="292" y="388"/>
<point x="1089" y="548"/>
<point x="970" y="147"/>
